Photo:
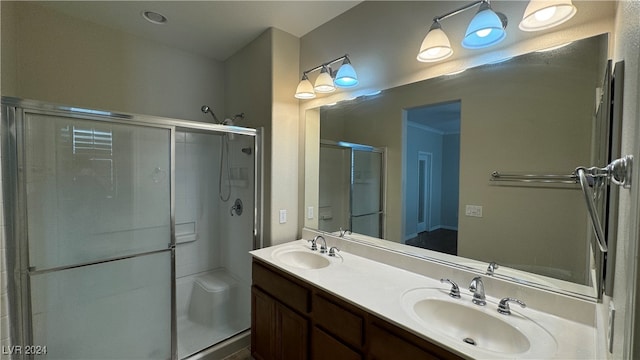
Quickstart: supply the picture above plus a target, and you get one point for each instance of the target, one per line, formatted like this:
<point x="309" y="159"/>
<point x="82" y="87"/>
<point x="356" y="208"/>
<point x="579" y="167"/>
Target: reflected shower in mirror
<point x="443" y="137"/>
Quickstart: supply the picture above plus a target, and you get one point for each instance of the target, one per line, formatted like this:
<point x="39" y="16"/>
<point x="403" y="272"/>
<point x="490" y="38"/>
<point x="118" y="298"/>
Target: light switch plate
<point x="310" y="212"/>
<point x="283" y="216"/>
<point x="473" y="210"/>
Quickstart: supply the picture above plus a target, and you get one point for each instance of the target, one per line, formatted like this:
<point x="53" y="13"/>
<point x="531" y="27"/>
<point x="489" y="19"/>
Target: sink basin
<point x="302" y="258"/>
<point x="472" y="326"/>
<point x="478" y="328"/>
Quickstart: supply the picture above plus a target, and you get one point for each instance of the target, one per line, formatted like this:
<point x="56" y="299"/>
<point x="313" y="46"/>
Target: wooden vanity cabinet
<point x="279" y="316"/>
<point x="292" y="319"/>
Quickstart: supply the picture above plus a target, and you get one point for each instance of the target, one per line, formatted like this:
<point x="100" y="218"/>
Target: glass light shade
<point x="346" y="76"/>
<point x="305" y="89"/>
<point x="435" y="46"/>
<point x="545" y="14"/>
<point x="324" y="82"/>
<point x="486" y="29"/>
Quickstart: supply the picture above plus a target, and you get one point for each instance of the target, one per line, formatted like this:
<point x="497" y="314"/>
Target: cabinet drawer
<point x="339" y="321"/>
<point x="285" y="290"/>
<point x="384" y="345"/>
<point x="387" y="341"/>
<point x="326" y="347"/>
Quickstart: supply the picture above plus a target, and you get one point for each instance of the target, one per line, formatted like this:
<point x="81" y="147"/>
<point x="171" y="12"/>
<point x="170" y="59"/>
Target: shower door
<point x="366" y="192"/>
<point x="351" y="191"/>
<point x="97" y="235"/>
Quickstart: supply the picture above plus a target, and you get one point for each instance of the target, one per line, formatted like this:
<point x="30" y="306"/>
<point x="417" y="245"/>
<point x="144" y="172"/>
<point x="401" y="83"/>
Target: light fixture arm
<point x="319" y="67"/>
<point x="459" y="10"/>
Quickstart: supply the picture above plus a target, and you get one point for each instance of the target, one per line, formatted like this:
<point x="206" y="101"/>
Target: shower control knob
<point x="237" y="208"/>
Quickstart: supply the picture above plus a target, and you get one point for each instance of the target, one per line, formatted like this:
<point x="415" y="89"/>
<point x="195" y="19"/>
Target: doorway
<point x="431" y="176"/>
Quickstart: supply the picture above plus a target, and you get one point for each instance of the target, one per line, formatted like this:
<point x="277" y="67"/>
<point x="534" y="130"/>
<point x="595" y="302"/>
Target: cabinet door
<point x="263" y="325"/>
<point x="277" y="332"/>
<point x="292" y="334"/>
<point x="326" y="347"/>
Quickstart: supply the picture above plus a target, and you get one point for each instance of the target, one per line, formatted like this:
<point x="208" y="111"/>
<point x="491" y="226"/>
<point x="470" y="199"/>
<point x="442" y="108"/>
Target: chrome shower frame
<point x="15" y="211"/>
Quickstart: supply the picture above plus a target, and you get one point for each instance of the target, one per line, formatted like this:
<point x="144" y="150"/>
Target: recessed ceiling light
<point x="154" y="17"/>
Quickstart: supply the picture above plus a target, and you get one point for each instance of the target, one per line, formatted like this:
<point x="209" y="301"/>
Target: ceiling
<point x="216" y="29"/>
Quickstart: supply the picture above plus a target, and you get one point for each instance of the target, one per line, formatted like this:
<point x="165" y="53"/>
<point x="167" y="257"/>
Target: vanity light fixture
<point x="487" y="28"/>
<point x="328" y="80"/>
<point x="545" y="14"/>
<point x="324" y="82"/>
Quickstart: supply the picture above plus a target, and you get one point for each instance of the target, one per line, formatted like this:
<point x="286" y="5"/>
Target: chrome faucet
<point x="491" y="269"/>
<point x="477" y="288"/>
<point x="323" y="247"/>
<point x="344" y="232"/>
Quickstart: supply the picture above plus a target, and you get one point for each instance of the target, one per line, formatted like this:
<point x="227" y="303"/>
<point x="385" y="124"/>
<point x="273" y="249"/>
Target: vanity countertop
<point x="380" y="289"/>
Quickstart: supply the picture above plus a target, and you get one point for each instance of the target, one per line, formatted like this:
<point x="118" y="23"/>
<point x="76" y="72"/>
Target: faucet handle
<point x="492" y="267"/>
<point x="332" y="251"/>
<point x="344" y="232"/>
<point x="314" y="247"/>
<point x="455" y="290"/>
<point x="503" y="306"/>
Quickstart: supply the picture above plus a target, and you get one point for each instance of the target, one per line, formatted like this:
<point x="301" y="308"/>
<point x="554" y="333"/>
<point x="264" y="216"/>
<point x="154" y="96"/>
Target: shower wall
<point x="196" y="203"/>
<point x="213" y="265"/>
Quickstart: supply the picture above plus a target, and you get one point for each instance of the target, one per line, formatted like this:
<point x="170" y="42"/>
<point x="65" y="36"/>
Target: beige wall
<point x="285" y="124"/>
<point x="269" y="103"/>
<point x="60" y="59"/>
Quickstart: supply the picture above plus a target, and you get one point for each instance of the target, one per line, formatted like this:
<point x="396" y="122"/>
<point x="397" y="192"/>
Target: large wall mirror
<point x="441" y="139"/>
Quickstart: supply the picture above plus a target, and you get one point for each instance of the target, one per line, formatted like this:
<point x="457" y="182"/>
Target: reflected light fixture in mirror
<point x="328" y="80"/>
<point x="544" y="14"/>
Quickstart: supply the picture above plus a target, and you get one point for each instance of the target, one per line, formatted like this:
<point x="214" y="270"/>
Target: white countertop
<point x="379" y="289"/>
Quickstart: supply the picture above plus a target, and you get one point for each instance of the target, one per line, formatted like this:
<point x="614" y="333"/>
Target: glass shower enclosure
<point x="127" y="236"/>
<point x="352" y="197"/>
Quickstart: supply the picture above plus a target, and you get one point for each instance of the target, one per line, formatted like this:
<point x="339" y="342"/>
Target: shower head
<point x="206" y="109"/>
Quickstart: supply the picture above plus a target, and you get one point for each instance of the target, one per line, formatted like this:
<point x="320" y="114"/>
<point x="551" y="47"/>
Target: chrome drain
<point x="469" y="341"/>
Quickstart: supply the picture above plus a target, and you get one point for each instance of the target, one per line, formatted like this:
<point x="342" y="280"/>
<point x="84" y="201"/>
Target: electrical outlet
<point x="473" y="210"/>
<point x="283" y="216"/>
<point x="310" y="212"/>
<point x="612" y="315"/>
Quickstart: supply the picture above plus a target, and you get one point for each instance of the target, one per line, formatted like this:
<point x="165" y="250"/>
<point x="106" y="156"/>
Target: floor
<point x="244" y="354"/>
<point x="441" y="240"/>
